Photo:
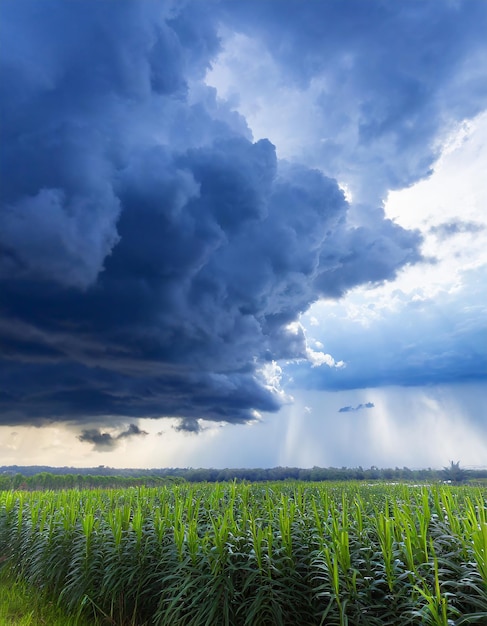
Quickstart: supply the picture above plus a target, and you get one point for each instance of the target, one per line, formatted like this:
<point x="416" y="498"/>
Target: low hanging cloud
<point x="188" y="425"/>
<point x="104" y="441"/>
<point x="152" y="255"/>
<point x="354" y="409"/>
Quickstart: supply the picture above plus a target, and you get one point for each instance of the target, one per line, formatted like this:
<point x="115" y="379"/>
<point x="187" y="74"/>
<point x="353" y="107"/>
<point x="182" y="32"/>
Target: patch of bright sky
<point x="410" y="427"/>
<point x="245" y="64"/>
<point x="456" y="192"/>
<point x="416" y="428"/>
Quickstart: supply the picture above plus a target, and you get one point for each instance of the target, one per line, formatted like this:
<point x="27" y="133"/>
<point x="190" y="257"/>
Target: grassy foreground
<point x="23" y="606"/>
<point x="253" y="555"/>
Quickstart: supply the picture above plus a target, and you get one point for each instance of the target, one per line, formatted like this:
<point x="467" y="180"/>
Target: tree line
<point x="15" y="477"/>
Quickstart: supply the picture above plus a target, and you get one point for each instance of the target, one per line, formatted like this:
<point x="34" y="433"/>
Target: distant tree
<point x="455" y="473"/>
<point x="359" y="473"/>
<point x="18" y="481"/>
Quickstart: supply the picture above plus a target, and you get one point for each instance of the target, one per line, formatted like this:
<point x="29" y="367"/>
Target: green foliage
<point x="47" y="480"/>
<point x="24" y="606"/>
<point x="39" y="477"/>
<point x="254" y="554"/>
<point x="455" y="473"/>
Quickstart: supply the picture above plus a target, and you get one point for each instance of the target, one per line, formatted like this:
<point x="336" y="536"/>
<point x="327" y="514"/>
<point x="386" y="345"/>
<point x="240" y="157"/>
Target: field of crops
<point x="247" y="554"/>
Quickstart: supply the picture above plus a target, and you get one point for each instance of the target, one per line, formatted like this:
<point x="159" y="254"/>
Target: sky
<point x="243" y="233"/>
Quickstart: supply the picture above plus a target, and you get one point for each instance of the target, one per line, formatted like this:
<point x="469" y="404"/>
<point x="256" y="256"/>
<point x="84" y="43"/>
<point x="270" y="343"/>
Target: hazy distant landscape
<point x="101" y="476"/>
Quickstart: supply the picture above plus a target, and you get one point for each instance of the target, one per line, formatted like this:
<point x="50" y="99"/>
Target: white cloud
<point x="271" y="373"/>
<point x="321" y="358"/>
<point x="457" y="191"/>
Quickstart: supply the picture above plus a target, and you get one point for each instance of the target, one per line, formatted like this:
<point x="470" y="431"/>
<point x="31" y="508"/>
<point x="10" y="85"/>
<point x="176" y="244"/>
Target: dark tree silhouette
<point x="455" y="473"/>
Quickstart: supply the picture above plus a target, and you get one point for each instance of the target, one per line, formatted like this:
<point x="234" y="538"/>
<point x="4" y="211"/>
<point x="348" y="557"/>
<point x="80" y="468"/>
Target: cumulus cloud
<point x="189" y="425"/>
<point x="380" y="83"/>
<point x="359" y="407"/>
<point x="152" y="254"/>
<point x="317" y="358"/>
<point x="43" y="237"/>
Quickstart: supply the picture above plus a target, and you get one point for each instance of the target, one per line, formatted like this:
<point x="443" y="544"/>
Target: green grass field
<point x="250" y="554"/>
<point x="21" y="605"/>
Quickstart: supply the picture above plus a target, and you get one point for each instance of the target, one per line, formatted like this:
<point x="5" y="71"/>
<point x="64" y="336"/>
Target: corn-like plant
<point x="254" y="555"/>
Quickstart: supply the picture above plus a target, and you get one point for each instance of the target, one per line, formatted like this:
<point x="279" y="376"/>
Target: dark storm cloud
<point x="132" y="431"/>
<point x="388" y="77"/>
<point x="97" y="438"/>
<point x="152" y="255"/>
<point x="188" y="425"/>
<point x="359" y="407"/>
<point x="103" y="441"/>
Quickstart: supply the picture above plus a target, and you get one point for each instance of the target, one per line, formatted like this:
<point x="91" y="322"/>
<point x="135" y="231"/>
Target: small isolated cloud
<point x="103" y="441"/>
<point x="132" y="430"/>
<point x="97" y="438"/>
<point x="456" y="227"/>
<point x="359" y="407"/>
<point x="189" y="425"/>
